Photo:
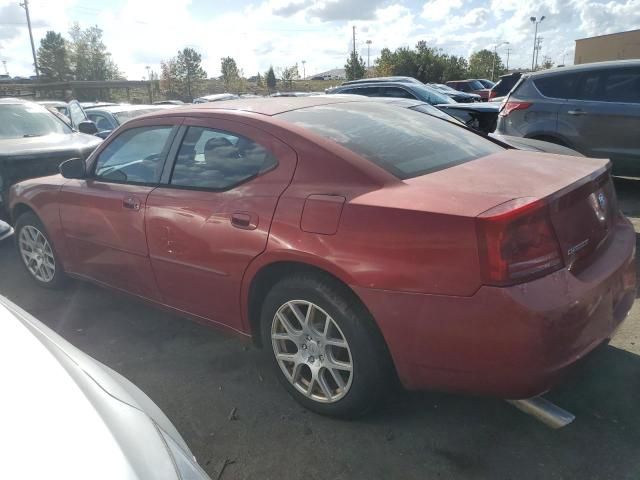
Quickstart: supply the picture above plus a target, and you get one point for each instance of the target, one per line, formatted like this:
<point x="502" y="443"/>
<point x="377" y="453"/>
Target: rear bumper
<point x="514" y="342"/>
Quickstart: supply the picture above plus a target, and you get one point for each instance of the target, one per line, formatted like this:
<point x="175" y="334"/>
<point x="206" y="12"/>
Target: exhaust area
<point x="547" y="412"/>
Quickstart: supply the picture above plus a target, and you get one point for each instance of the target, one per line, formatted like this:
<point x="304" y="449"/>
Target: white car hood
<point x="58" y="422"/>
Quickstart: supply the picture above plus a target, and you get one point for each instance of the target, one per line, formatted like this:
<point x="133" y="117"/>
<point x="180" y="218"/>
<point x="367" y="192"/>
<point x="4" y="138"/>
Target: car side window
<point x="622" y="85"/>
<point x="558" y="86"/>
<point x="369" y="91"/>
<point x="102" y="123"/>
<point x="397" y="92"/>
<point x="134" y="156"/>
<point x="217" y="160"/>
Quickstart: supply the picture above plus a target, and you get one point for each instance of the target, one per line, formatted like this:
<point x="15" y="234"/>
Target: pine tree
<point x="354" y="68"/>
<point x="53" y="58"/>
<point x="271" y="79"/>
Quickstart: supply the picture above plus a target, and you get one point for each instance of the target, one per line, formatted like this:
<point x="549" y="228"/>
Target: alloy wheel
<point x="312" y="351"/>
<point x="36" y="253"/>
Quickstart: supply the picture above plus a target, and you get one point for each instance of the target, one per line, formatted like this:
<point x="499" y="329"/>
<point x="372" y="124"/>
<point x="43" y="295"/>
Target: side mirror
<point x="87" y="127"/>
<point x="73" y="168"/>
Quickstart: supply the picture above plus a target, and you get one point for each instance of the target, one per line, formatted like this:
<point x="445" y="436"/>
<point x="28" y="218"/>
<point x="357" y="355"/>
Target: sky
<point x="260" y="33"/>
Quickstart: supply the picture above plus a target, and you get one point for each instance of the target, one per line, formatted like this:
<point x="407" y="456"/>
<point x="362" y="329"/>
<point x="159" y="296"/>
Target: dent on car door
<point x="211" y="216"/>
<point x="103" y="215"/>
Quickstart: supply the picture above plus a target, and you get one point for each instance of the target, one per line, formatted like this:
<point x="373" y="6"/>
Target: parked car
<point x="293" y="94"/>
<point x="504" y="86"/>
<point x="397" y="79"/>
<point x="486" y="83"/>
<point x="168" y="102"/>
<point x="215" y="98"/>
<point x="407" y="88"/>
<point x="470" y="86"/>
<point x="33" y="143"/>
<point x="593" y="108"/>
<point x="98" y="104"/>
<point x="111" y="117"/>
<point x="91" y="422"/>
<point x="481" y="117"/>
<point x="73" y="113"/>
<point x="6" y="230"/>
<point x="458" y="96"/>
<point x="353" y="240"/>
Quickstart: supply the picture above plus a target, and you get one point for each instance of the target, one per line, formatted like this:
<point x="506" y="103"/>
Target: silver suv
<point x="593" y="108"/>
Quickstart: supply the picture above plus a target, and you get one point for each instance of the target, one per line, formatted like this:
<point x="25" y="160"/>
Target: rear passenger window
<point x="217" y="160"/>
<point x="397" y="92"/>
<point x="622" y="85"/>
<point x="558" y="86"/>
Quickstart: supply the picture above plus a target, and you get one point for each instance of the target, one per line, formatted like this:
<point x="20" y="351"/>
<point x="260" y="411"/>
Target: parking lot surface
<point x="199" y="376"/>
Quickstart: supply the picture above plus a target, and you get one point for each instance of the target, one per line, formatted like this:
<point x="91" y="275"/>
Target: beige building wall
<point x="616" y="46"/>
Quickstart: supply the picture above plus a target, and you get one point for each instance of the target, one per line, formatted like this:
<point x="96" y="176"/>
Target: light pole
<point x="495" y="54"/>
<point x="368" y="53"/>
<point x="537" y="22"/>
<point x="150" y="86"/>
<point x="304" y="70"/>
<point x="25" y="5"/>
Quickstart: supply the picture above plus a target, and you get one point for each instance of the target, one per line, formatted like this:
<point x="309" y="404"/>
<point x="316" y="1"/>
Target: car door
<point x="76" y="114"/>
<point x="103" y="215"/>
<point x="211" y="215"/>
<point x="608" y="115"/>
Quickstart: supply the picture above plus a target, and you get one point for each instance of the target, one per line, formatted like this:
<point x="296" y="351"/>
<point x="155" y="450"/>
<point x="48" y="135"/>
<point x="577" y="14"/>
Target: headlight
<point x="186" y="465"/>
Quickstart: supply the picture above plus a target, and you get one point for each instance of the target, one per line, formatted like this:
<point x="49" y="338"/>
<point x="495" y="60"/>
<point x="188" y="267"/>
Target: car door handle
<point x="244" y="220"/>
<point x="131" y="203"/>
<point x="577" y="112"/>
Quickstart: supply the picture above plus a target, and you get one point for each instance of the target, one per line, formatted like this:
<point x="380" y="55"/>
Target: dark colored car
<point x="592" y="108"/>
<point x="33" y="143"/>
<point x="353" y="240"/>
<point x="504" y="85"/>
<point x="73" y="113"/>
<point x="110" y="117"/>
<point x="486" y="83"/>
<point x="457" y="95"/>
<point x="470" y="86"/>
<point x="479" y="116"/>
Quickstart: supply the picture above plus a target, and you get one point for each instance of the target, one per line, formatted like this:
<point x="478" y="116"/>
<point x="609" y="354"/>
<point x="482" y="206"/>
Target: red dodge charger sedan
<point x="355" y="241"/>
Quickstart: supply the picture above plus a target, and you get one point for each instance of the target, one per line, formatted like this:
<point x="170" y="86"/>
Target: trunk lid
<point x="578" y="191"/>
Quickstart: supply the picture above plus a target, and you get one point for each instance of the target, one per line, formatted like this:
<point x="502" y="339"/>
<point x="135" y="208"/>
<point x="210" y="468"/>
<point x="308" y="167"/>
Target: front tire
<point x="325" y="347"/>
<point x="37" y="252"/>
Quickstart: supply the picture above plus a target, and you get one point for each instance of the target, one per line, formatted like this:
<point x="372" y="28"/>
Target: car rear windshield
<point x="28" y="120"/>
<point x="404" y="142"/>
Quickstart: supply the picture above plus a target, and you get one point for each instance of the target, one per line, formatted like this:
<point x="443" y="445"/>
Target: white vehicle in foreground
<point x="66" y="416"/>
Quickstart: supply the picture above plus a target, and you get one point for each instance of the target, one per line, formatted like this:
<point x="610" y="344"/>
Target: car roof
<point x="586" y="67"/>
<point x="12" y="101"/>
<point x="400" y="79"/>
<point x="264" y="105"/>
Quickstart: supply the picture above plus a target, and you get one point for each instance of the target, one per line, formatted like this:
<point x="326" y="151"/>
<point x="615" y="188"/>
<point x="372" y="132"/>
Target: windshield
<point x="404" y="142"/>
<point x="476" y="85"/>
<point x="28" y="120"/>
<point x="432" y="96"/>
<point x="129" y="114"/>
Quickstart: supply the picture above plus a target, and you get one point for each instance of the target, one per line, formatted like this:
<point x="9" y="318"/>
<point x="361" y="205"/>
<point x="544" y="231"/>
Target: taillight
<point x="517" y="242"/>
<point x="492" y="94"/>
<point x="509" y="107"/>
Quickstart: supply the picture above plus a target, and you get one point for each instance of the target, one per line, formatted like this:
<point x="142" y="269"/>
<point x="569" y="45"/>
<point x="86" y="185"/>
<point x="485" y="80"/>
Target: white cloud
<point x="435" y="10"/>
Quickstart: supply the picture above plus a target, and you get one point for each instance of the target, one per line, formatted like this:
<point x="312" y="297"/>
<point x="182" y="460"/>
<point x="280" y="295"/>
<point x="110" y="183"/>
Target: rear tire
<point x="37" y="253"/>
<point x="325" y="347"/>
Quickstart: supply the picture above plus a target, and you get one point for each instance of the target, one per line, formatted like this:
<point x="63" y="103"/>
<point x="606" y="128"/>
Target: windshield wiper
<point x="31" y="135"/>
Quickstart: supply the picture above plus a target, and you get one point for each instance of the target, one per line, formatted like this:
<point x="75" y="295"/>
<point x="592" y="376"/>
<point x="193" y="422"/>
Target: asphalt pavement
<point x="199" y="376"/>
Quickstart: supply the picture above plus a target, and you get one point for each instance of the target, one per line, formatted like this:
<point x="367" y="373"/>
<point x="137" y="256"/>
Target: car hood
<point x="76" y="416"/>
<point x="48" y="144"/>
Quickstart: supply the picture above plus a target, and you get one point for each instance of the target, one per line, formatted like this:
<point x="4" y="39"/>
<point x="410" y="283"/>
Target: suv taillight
<point x="517" y="242"/>
<point x="509" y="107"/>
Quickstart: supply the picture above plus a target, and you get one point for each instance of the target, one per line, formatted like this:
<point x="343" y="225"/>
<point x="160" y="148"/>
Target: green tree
<point x="259" y="82"/>
<point x="289" y="74"/>
<point x="90" y="59"/>
<point x="481" y="64"/>
<point x="169" y="81"/>
<point x="53" y="58"/>
<point x="354" y="68"/>
<point x="270" y="77"/>
<point x="384" y="63"/>
<point x="190" y="72"/>
<point x="230" y="73"/>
